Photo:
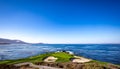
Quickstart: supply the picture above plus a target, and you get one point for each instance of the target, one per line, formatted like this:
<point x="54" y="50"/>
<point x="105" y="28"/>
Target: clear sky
<point x="61" y="21"/>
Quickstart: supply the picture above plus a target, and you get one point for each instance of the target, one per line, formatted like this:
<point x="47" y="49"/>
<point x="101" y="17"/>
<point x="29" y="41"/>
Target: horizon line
<point x="56" y="43"/>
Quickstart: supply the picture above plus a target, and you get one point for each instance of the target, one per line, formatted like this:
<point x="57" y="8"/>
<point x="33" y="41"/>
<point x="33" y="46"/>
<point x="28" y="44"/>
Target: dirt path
<point x="36" y="66"/>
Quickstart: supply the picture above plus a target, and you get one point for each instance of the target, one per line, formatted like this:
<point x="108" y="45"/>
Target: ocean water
<point x="102" y="52"/>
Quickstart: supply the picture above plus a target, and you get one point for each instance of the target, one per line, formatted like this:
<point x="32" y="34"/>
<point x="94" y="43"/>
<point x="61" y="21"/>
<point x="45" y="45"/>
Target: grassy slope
<point x="62" y="57"/>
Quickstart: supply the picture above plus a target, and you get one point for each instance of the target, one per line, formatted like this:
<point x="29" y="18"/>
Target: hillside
<point x="63" y="61"/>
<point x="8" y="41"/>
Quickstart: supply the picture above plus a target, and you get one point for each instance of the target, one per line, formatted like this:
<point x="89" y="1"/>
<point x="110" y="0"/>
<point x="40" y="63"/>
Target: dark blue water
<point x="103" y="52"/>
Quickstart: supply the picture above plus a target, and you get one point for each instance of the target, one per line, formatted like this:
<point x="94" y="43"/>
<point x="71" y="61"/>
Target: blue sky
<point x="61" y="21"/>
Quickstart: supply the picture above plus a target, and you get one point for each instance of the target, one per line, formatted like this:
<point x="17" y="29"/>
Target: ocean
<point x="102" y="52"/>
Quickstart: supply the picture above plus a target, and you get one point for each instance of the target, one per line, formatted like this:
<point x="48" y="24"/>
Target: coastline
<point x="63" y="60"/>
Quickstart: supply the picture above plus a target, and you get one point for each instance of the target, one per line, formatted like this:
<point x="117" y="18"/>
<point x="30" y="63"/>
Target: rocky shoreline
<point x="67" y="65"/>
<point x="56" y="60"/>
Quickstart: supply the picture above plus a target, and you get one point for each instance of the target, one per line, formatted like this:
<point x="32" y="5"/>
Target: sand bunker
<point x="50" y="59"/>
<point x="78" y="59"/>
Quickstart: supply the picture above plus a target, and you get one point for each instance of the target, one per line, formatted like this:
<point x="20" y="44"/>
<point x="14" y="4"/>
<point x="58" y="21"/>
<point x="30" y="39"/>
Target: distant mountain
<point x="8" y="41"/>
<point x="37" y="43"/>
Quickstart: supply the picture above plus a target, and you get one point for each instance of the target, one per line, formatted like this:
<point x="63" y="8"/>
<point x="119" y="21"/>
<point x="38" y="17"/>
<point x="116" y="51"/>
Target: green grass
<point x="62" y="57"/>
